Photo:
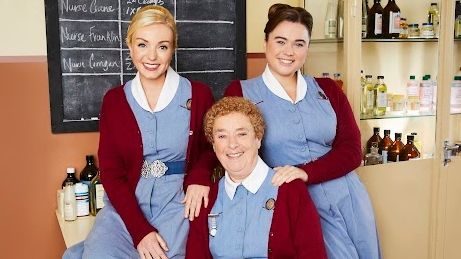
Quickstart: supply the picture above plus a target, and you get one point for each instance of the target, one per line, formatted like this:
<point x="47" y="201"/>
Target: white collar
<point x="170" y="86"/>
<point x="253" y="181"/>
<point x="276" y="88"/>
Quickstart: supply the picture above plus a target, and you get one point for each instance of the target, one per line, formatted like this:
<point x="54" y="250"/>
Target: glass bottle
<point x="373" y="158"/>
<point x="364" y="18"/>
<point x="417" y="142"/>
<point x="409" y="151"/>
<point x="380" y="94"/>
<point x="340" y="19"/>
<point x="96" y="195"/>
<point x="457" y="8"/>
<point x="337" y="78"/>
<point x="396" y="148"/>
<point x="434" y="18"/>
<point x="362" y="92"/>
<point x="369" y="96"/>
<point x="331" y="25"/>
<point x="403" y="28"/>
<point x="326" y="75"/>
<point x="375" y="20"/>
<point x="426" y="92"/>
<point x="374" y="138"/>
<point x="386" y="142"/>
<point x="458" y="27"/>
<point x="455" y="97"/>
<point x="70" y="177"/>
<point x="89" y="172"/>
<point x="70" y="203"/>
<point x="412" y="102"/>
<point x="391" y="20"/>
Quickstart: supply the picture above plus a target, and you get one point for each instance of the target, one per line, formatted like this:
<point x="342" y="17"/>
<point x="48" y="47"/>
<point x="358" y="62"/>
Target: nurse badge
<point x="270" y="204"/>
<point x="213" y="228"/>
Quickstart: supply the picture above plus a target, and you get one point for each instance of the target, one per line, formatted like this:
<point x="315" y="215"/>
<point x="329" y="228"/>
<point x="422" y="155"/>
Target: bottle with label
<point x="363" y="93"/>
<point x="409" y="151"/>
<point x="70" y="204"/>
<point x="89" y="172"/>
<point x="374" y="138"/>
<point x="412" y="102"/>
<point x="82" y="199"/>
<point x="331" y="24"/>
<point x="364" y="18"/>
<point x="339" y="82"/>
<point x="381" y="97"/>
<point x="70" y="177"/>
<point x="96" y="195"/>
<point x="458" y="27"/>
<point x="375" y="20"/>
<point x="369" y="96"/>
<point x="396" y="148"/>
<point x="457" y="8"/>
<point x="373" y="158"/>
<point x="455" y="98"/>
<point x="403" y="28"/>
<point x="434" y="18"/>
<point x="340" y="19"/>
<point x="426" y="92"/>
<point x="386" y="142"/>
<point x="391" y="20"/>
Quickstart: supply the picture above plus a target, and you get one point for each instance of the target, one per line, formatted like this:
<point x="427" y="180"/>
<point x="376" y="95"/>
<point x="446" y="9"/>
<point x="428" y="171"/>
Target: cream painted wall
<point x="22" y="26"/>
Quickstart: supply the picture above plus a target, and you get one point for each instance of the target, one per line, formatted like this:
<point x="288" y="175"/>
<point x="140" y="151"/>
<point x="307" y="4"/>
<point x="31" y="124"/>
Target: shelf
<point x="391" y="116"/>
<point x="455" y="113"/>
<point x="327" y="40"/>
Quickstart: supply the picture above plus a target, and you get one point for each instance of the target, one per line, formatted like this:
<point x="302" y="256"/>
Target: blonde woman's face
<point x="286" y="48"/>
<point x="151" y="51"/>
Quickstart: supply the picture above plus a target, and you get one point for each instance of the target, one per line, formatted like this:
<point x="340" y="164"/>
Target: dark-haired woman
<point x="311" y="135"/>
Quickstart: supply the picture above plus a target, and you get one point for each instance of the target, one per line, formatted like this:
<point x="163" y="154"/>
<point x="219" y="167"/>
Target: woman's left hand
<point x="193" y="200"/>
<point x="288" y="173"/>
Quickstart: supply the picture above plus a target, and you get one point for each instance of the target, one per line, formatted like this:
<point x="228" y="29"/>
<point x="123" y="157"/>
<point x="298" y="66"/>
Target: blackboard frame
<point x="58" y="125"/>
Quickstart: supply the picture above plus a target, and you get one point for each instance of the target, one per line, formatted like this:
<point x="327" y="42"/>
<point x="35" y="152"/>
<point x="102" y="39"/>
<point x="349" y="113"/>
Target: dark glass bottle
<point x="89" y="172"/>
<point x="375" y="20"/>
<point x="396" y="148"/>
<point x="457" y="8"/>
<point x="96" y="195"/>
<point x="391" y="20"/>
<point x="70" y="177"/>
<point x="409" y="151"/>
<point x="375" y="138"/>
<point x="386" y="142"/>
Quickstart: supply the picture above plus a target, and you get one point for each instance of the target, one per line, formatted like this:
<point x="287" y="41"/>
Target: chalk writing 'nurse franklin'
<point x="93" y="8"/>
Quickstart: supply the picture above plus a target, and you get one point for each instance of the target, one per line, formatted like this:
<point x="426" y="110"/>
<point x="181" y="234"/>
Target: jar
<point x="403" y="28"/>
<point x="427" y="30"/>
<point x="413" y="30"/>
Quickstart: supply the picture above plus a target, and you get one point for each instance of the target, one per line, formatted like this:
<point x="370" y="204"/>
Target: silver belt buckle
<point x="154" y="169"/>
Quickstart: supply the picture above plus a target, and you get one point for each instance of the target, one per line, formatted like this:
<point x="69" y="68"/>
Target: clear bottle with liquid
<point x="96" y="195"/>
<point x="340" y="19"/>
<point x="380" y="90"/>
<point x="426" y="95"/>
<point x="412" y="102"/>
<point x="362" y="92"/>
<point x="364" y="18"/>
<point x="70" y="203"/>
<point x="455" y="97"/>
<point x="375" y="20"/>
<point x="331" y="24"/>
<point x="369" y="96"/>
<point x="417" y="142"/>
<point x="391" y="20"/>
<point x="434" y="18"/>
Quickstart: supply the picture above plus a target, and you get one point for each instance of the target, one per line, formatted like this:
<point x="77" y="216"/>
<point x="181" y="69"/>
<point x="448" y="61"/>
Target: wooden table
<point x="75" y="231"/>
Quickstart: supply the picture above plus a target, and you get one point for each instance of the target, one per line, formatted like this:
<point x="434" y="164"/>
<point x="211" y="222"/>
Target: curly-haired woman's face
<point x="286" y="48"/>
<point x="236" y="145"/>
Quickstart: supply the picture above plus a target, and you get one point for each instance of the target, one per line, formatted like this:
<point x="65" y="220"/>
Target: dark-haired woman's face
<point x="286" y="48"/>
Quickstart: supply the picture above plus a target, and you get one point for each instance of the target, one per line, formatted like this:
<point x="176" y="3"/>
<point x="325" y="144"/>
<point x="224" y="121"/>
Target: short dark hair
<point x="283" y="12"/>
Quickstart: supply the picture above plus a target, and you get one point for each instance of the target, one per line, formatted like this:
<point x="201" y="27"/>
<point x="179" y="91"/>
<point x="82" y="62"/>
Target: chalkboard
<point x="87" y="53"/>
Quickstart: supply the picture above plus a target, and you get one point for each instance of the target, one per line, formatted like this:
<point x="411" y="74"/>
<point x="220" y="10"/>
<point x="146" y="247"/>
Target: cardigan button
<point x="271" y="234"/>
<point x="269" y="250"/>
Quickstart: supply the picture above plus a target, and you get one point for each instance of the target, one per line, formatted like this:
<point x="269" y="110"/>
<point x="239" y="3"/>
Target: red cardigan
<point x="121" y="154"/>
<point x="346" y="152"/>
<point x="295" y="230"/>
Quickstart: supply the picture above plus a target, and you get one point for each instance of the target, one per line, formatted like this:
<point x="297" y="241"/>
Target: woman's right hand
<point x="152" y="246"/>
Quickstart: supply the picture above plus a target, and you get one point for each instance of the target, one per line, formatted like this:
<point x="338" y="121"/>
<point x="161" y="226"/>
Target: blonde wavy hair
<point x="148" y="15"/>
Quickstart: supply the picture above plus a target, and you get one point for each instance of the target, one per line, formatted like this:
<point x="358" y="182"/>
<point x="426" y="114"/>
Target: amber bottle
<point x="396" y="148"/>
<point x="386" y="142"/>
<point x="409" y="151"/>
<point x="375" y="20"/>
<point x="375" y="138"/>
<point x="391" y="20"/>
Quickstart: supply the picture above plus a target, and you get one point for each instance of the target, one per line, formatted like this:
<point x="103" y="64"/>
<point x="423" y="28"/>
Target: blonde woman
<point x="151" y="145"/>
